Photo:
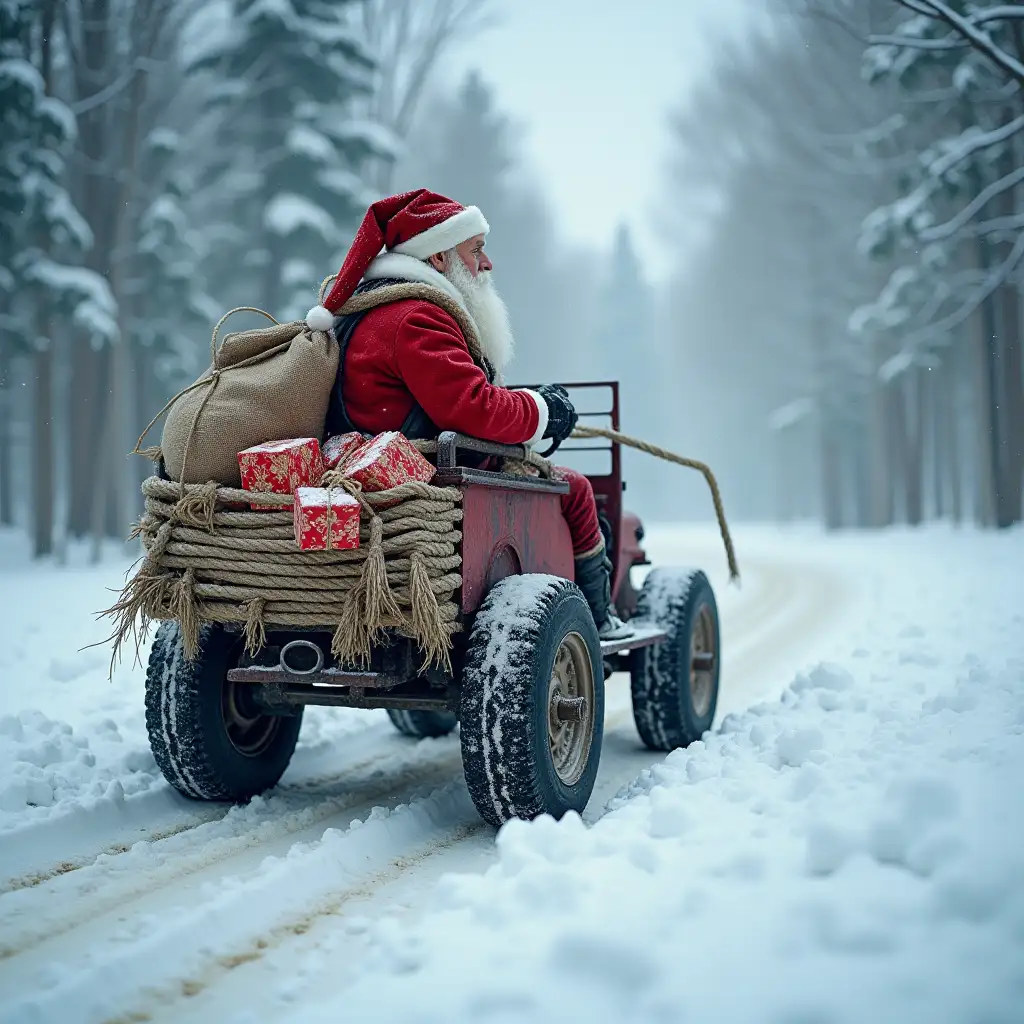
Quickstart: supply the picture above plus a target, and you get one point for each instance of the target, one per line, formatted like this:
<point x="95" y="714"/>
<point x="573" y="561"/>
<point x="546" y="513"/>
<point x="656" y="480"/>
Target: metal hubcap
<point x="703" y="659"/>
<point x="571" y="709"/>
<point x="249" y="729"/>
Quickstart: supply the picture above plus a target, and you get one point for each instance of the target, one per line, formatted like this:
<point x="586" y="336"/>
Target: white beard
<point x="486" y="307"/>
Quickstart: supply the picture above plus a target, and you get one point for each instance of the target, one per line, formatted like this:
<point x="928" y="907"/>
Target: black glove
<point x="561" y="414"/>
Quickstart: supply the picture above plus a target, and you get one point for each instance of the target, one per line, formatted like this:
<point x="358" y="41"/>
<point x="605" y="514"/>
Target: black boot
<point x="594" y="578"/>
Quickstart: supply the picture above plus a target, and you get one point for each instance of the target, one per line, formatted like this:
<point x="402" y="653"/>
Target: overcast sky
<point x="591" y="82"/>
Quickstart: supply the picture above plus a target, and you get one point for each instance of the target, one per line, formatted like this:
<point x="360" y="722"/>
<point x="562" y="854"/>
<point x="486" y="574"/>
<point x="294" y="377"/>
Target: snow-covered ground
<point x="851" y="850"/>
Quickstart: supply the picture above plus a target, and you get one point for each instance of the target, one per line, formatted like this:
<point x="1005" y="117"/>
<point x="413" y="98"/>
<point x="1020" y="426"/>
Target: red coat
<point x="413" y="351"/>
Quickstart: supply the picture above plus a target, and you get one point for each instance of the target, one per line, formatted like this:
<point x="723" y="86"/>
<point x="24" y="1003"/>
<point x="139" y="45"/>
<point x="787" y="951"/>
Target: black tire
<point x="189" y="705"/>
<point x="673" y="704"/>
<point x="423" y="724"/>
<point x="509" y="686"/>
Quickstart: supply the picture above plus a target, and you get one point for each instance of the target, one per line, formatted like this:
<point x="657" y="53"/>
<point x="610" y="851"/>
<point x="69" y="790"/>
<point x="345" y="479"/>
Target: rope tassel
<point x="255" y="632"/>
<point x="427" y="627"/>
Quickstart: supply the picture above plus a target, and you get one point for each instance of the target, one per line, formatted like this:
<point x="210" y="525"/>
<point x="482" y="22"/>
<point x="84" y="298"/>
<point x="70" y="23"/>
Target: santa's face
<point x="472" y="254"/>
<point x="468" y="268"/>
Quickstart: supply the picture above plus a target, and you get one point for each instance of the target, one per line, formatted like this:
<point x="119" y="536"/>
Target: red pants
<point x="580" y="511"/>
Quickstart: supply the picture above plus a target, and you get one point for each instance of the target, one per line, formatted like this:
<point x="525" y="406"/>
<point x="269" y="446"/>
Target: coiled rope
<point x="209" y="559"/>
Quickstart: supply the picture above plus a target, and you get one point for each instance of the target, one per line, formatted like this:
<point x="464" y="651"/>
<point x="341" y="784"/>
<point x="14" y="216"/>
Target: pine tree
<point x="954" y="221"/>
<point x="39" y="229"/>
<point x="286" y="167"/>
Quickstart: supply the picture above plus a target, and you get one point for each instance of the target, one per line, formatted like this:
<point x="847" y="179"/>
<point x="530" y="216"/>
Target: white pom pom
<point x="319" y="318"/>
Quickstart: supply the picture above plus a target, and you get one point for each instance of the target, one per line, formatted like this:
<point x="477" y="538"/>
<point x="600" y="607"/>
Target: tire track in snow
<point x="81" y="837"/>
<point x="85" y="835"/>
<point x="34" y="917"/>
<point x="237" y="878"/>
<point x="279" y="964"/>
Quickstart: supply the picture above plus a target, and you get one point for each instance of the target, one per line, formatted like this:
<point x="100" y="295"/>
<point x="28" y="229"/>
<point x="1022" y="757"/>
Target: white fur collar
<point x="409" y="268"/>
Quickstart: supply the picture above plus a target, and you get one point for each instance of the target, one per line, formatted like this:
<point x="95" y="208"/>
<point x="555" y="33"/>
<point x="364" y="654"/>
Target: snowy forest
<point x="840" y="337"/>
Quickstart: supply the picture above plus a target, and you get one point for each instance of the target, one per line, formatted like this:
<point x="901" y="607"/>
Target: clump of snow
<point x="343" y="182"/>
<point x="85" y="291"/>
<point x="20" y="74"/>
<point x="376" y="138"/>
<point x="287" y="213"/>
<point x="309" y="143"/>
<point x="44" y="762"/>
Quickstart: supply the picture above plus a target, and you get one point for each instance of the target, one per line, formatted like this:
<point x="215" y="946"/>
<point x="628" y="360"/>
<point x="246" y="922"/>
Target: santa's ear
<point x="439" y="261"/>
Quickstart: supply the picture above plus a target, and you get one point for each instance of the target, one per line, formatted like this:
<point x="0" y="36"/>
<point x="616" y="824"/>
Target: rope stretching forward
<point x="679" y="460"/>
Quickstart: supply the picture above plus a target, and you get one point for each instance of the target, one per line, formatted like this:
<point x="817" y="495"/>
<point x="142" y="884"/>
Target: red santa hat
<point x="417" y="223"/>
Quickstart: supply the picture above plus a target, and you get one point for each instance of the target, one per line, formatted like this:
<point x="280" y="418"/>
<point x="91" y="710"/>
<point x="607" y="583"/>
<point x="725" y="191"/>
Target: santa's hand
<point x="562" y="415"/>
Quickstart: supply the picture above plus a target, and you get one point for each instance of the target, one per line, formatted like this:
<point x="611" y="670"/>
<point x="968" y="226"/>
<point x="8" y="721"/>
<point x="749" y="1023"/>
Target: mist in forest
<point x="803" y="267"/>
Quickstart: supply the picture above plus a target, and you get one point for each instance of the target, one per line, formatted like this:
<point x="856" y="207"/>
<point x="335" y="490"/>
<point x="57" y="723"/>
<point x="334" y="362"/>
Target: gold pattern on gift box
<point x="280" y="465"/>
<point x="257" y="478"/>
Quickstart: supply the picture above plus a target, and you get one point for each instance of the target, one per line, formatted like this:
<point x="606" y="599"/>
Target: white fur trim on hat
<point x="408" y="268"/>
<point x="542" y="412"/>
<point x="319" y="318"/>
<point x="446" y="235"/>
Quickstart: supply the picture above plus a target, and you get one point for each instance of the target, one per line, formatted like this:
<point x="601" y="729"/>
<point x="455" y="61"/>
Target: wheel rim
<point x="703" y="661"/>
<point x="249" y="729"/>
<point x="570" y="723"/>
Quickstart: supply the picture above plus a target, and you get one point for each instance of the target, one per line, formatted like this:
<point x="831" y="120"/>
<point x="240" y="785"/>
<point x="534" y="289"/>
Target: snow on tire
<point x="532" y="705"/>
<point x="209" y="739"/>
<point x="423" y="724"/>
<point x="675" y="683"/>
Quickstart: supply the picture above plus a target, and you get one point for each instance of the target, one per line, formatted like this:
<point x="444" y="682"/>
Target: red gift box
<point x="388" y="460"/>
<point x="326" y="519"/>
<point x="338" y="449"/>
<point x="280" y="467"/>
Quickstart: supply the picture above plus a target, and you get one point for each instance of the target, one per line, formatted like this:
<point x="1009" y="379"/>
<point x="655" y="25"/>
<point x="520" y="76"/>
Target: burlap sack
<point x="264" y="385"/>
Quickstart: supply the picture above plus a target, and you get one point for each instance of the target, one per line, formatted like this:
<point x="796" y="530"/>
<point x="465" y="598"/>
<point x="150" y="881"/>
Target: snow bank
<point x="73" y="743"/>
<point x="849" y="852"/>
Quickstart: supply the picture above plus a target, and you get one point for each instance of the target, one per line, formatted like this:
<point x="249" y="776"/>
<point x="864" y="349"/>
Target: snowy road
<point x="151" y="907"/>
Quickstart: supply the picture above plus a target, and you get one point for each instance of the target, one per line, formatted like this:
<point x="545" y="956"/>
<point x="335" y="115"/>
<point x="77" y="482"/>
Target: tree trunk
<point x="95" y="184"/>
<point x="1011" y="404"/>
<point x="881" y="456"/>
<point x="100" y="496"/>
<point x="987" y="407"/>
<point x="1005" y="345"/>
<point x="81" y="446"/>
<point x="951" y="438"/>
<point x="915" y="393"/>
<point x="907" y="430"/>
<point x="1012" y="397"/>
<point x="42" y="412"/>
<point x="937" y="413"/>
<point x="6" y="441"/>
<point x="897" y="449"/>
<point x="42" y="452"/>
<point x="862" y="476"/>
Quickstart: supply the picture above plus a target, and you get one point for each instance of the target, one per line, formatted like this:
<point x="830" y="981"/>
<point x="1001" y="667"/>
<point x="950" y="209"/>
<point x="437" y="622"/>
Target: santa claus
<point x="424" y="343"/>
